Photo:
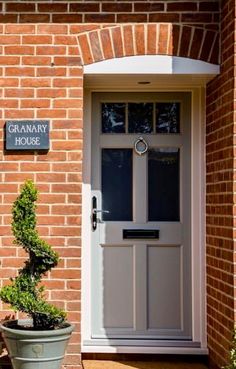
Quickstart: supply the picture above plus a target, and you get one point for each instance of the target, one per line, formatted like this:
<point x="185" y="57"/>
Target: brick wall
<point x="205" y="13"/>
<point x="41" y="77"/>
<point x="220" y="209"/>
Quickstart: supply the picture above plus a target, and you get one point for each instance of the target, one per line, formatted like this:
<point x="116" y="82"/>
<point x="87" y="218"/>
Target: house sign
<point x="27" y="135"/>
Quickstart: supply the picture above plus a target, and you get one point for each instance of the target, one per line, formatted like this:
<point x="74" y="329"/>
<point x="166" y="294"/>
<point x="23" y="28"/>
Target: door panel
<point x="141" y="288"/>
<point x="118" y="282"/>
<point x="164" y="274"/>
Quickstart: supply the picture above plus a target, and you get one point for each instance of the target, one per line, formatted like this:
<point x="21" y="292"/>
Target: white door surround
<point x="131" y="83"/>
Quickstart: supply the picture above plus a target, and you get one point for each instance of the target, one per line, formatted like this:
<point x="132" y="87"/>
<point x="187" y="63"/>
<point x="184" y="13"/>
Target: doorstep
<point x="109" y="364"/>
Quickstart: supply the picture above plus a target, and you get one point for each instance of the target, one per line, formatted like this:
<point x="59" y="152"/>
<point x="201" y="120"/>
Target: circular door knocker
<point x="140" y="146"/>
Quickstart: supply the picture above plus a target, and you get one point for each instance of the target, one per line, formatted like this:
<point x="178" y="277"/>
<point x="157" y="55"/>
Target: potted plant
<point x="40" y="341"/>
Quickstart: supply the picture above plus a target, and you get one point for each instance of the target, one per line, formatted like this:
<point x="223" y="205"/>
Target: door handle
<point x="95" y="211"/>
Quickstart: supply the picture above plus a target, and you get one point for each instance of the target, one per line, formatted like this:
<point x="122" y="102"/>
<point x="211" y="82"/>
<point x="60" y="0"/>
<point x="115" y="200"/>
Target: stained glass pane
<point x="117" y="184"/>
<point x="163" y="184"/>
<point x="140" y="116"/>
<point x="168" y="117"/>
<point x="113" y="117"/>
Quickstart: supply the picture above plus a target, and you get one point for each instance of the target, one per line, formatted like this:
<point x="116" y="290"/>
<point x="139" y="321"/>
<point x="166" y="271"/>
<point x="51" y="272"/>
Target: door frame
<point x="197" y="223"/>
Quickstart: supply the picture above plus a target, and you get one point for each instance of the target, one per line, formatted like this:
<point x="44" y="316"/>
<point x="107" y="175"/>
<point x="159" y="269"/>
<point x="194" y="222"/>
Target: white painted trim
<point x="198" y="231"/>
<point x="152" y="64"/>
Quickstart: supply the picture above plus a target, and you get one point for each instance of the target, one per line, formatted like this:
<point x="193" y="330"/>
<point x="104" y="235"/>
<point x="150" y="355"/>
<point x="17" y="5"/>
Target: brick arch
<point x="149" y="39"/>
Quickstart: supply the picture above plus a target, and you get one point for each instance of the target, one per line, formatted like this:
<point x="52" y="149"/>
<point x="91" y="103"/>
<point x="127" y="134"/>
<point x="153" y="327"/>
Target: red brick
<point x="196" y="17"/>
<point x="67" y="103"/>
<point x="65" y="40"/>
<point x="175" y="39"/>
<point x="51" y="71"/>
<point x="117" y="42"/>
<point x="106" y="44"/>
<point x="35" y="82"/>
<point x="208" y="40"/>
<point x="51" y="50"/>
<point x="8" y="40"/>
<point x="16" y="92"/>
<point x="51" y="92"/>
<point x="85" y="49"/>
<point x="148" y="7"/>
<point x="34" y="18"/>
<point x="139" y="39"/>
<point x="209" y="6"/>
<point x="182" y="6"/>
<point x="19" y="7"/>
<point x="196" y="43"/>
<point x="34" y="167"/>
<point x="19" y="50"/>
<point x="37" y="40"/>
<point x="95" y="46"/>
<point x="67" y="18"/>
<point x="151" y="39"/>
<point x="52" y="29"/>
<point x="52" y="8"/>
<point x="116" y="7"/>
<point x="9" y="103"/>
<point x="163" y="39"/>
<point x="99" y="18"/>
<point x="126" y="18"/>
<point x="67" y="82"/>
<point x="35" y="60"/>
<point x="8" y="18"/>
<point x="34" y="103"/>
<point x="9" y="60"/>
<point x="19" y="71"/>
<point x="83" y="8"/>
<point x="164" y="17"/>
<point x="9" y="82"/>
<point x="65" y="188"/>
<point x="49" y="113"/>
<point x="20" y="29"/>
<point x="128" y="40"/>
<point x="185" y="41"/>
<point x="68" y="61"/>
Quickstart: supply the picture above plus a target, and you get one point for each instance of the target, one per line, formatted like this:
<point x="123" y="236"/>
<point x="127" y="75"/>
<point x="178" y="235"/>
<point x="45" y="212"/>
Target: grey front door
<point x="141" y="234"/>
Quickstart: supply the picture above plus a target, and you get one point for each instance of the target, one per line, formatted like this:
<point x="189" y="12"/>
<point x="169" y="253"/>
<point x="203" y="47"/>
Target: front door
<point x="141" y="217"/>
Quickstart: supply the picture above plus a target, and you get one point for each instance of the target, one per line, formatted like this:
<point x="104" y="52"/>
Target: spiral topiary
<point x="23" y="294"/>
<point x="232" y="356"/>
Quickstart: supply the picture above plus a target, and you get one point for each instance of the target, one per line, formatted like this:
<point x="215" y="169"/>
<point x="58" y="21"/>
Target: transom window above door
<point x="140" y="117"/>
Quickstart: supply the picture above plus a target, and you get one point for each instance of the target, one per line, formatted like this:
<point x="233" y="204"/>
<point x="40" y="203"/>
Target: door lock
<point x="95" y="211"/>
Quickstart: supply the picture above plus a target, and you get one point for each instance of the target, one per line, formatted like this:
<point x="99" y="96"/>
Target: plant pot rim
<point x="8" y="327"/>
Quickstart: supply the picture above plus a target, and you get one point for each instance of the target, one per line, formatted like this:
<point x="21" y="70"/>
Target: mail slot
<point x="141" y="234"/>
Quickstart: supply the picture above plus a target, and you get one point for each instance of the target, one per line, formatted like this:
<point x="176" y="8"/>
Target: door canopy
<point x="149" y="39"/>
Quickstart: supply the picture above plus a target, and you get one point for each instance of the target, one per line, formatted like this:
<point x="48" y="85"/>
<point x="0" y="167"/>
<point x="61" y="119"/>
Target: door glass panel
<point x="168" y="117"/>
<point x="140" y="117"/>
<point x="163" y="184"/>
<point x="113" y="118"/>
<point x="117" y="184"/>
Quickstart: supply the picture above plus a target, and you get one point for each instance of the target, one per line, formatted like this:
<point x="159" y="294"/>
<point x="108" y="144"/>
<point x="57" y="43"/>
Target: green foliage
<point x="23" y="294"/>
<point x="232" y="361"/>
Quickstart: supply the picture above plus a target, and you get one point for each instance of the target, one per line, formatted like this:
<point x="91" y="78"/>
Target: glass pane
<point x="113" y="118"/>
<point x="140" y="117"/>
<point x="163" y="184"/>
<point x="168" y="117"/>
<point x="117" y="184"/>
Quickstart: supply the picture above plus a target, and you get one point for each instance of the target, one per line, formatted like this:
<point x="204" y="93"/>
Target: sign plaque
<point x="27" y="135"/>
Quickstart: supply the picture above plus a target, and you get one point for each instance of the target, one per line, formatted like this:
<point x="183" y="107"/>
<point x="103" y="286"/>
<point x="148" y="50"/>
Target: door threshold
<point x="166" y="350"/>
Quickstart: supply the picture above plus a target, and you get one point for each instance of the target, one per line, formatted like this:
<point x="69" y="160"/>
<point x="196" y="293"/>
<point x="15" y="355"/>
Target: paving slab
<point x="107" y="364"/>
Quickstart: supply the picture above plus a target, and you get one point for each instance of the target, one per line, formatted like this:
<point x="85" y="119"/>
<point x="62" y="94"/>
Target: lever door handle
<point x="101" y="211"/>
<point x="95" y="211"/>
